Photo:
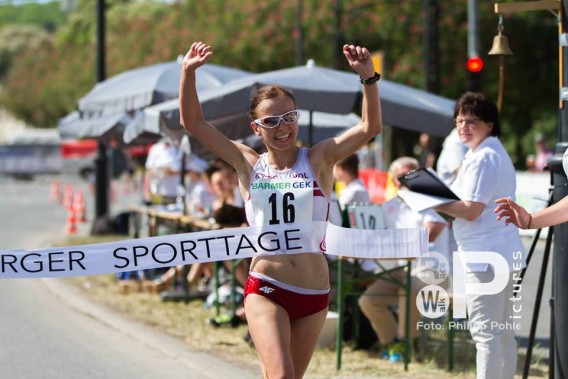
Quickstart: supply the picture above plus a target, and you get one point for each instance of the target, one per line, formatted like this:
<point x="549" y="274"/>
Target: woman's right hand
<point x="360" y="60"/>
<point x="198" y="54"/>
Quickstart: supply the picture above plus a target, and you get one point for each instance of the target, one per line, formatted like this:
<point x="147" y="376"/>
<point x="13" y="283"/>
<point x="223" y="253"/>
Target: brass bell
<point x="500" y="46"/>
<point x="500" y="43"/>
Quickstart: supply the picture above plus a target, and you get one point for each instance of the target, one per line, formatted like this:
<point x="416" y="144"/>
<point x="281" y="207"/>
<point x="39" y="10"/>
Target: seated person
<point x="200" y="196"/>
<point x="347" y="171"/>
<point x="379" y="296"/>
<point x="225" y="206"/>
<point x="200" y="271"/>
<point x="163" y="168"/>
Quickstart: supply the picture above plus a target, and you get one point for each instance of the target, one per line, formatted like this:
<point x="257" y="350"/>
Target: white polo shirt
<point x="354" y="192"/>
<point x="161" y="157"/>
<point x="487" y="174"/>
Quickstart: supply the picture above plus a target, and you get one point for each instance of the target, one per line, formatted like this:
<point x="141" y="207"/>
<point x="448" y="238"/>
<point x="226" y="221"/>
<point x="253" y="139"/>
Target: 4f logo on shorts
<point x="266" y="289"/>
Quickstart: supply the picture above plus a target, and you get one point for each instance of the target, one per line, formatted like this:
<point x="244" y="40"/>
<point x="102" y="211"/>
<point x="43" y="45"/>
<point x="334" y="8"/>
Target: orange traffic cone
<point x="79" y="206"/>
<point x="55" y="194"/>
<point x="68" y="196"/>
<point x="71" y="224"/>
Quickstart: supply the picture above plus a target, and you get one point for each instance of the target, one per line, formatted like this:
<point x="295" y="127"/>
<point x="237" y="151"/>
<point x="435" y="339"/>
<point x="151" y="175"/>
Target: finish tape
<point x="210" y="246"/>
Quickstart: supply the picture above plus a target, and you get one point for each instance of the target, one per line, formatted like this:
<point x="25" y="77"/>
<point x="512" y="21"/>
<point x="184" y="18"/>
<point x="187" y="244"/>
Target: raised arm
<point x="191" y="116"/>
<point x="353" y="139"/>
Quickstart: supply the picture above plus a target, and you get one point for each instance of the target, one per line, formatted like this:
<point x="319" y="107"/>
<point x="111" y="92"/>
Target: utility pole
<point x="559" y="301"/>
<point x="474" y="62"/>
<point x="431" y="46"/>
<point x="559" y="330"/>
<point x="338" y="33"/>
<point x="102" y="223"/>
<point x="299" y="33"/>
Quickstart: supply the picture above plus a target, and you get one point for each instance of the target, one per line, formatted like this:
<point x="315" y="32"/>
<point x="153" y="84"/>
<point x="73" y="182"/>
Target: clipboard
<point x="427" y="182"/>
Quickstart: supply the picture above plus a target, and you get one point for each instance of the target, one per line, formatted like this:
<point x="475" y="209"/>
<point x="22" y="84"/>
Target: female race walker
<point x="286" y="295"/>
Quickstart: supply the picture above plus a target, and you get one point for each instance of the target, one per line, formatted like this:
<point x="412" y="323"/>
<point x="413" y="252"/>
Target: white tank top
<point x="287" y="196"/>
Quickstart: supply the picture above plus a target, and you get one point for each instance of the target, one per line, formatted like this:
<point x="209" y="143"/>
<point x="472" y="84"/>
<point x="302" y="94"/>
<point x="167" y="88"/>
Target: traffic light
<point x="474" y="67"/>
<point x="474" y="64"/>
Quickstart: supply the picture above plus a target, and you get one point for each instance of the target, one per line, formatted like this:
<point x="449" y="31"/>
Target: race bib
<point x="282" y="201"/>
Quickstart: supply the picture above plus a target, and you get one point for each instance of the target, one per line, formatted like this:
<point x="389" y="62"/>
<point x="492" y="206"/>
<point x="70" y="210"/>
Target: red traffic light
<point x="474" y="64"/>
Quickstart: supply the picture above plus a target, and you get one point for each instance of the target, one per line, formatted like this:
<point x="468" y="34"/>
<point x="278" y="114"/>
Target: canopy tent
<point x="225" y="98"/>
<point x="138" y="88"/>
<point x="164" y="119"/>
<point x="417" y="110"/>
<point x="112" y="104"/>
<point x="327" y="90"/>
<point x="315" y="89"/>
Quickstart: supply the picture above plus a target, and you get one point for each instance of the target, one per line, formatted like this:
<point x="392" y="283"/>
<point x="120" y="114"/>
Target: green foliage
<point x="47" y="16"/>
<point x="260" y="36"/>
<point x="15" y="40"/>
<point x="80" y="28"/>
<point x="39" y="93"/>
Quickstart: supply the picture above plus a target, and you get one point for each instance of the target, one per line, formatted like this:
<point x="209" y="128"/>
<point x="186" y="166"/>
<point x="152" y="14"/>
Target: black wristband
<point x="375" y="78"/>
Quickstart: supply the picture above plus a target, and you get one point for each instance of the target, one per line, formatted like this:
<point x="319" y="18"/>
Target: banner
<point x="211" y="246"/>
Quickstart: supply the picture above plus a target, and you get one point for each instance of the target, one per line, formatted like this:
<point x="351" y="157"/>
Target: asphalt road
<point x="47" y="330"/>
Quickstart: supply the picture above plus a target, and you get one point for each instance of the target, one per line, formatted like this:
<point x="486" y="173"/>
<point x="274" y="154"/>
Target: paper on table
<point x="420" y="202"/>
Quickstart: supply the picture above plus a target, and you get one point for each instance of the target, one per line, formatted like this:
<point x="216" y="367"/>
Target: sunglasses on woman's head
<point x="270" y="122"/>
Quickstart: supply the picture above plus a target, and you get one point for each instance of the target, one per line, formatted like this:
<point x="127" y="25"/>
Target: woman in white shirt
<point x="486" y="175"/>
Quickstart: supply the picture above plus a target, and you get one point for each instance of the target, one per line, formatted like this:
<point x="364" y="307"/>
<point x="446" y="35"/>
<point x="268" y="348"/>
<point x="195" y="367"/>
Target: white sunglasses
<point x="271" y="122"/>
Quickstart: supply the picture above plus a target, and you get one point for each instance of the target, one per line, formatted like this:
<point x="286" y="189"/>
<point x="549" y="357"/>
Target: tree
<point x="47" y="16"/>
<point x="259" y="36"/>
<point x="17" y="39"/>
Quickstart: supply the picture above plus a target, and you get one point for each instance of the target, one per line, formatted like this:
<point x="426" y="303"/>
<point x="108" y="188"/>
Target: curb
<point x="205" y="365"/>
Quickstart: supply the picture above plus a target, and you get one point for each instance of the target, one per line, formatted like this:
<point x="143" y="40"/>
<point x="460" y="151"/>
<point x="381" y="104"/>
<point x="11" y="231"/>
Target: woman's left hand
<point x="360" y="60"/>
